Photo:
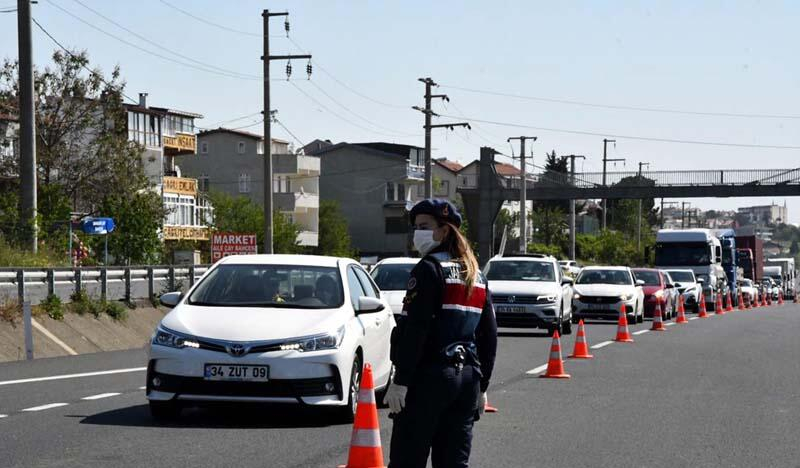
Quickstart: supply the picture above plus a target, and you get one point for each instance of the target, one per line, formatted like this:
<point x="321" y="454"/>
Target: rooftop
<point x="451" y="166"/>
<point x="233" y="131"/>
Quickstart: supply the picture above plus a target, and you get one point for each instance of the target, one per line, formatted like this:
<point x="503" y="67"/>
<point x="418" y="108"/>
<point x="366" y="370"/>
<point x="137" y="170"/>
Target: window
<point x="395" y="192"/>
<point x="240" y="147"/>
<point x="392" y="277"/>
<point x="244" y="183"/>
<point x="204" y="147"/>
<point x="396" y="225"/>
<point x="443" y="189"/>
<point x="366" y="283"/>
<point x="202" y="183"/>
<point x="356" y="290"/>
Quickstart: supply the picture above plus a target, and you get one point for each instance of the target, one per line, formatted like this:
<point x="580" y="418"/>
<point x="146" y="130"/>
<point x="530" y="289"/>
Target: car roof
<point x="645" y="269"/>
<point x="398" y="261"/>
<point x="304" y="260"/>
<point x="618" y="268"/>
<point x="524" y="258"/>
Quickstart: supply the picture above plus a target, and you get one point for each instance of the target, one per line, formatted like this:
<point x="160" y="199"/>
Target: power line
<point x="618" y="107"/>
<point x="297" y="140"/>
<point x="236" y="119"/>
<point x="630" y="137"/>
<point x="68" y="52"/>
<point x="211" y="23"/>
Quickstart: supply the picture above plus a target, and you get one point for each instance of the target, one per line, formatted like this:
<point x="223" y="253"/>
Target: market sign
<point x="232" y="243"/>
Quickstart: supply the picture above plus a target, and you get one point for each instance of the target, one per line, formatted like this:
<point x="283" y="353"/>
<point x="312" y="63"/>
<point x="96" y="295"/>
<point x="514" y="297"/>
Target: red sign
<point x="232" y="243"/>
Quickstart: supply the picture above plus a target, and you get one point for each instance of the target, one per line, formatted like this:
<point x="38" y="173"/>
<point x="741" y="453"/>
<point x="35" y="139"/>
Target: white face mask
<point x="423" y="241"/>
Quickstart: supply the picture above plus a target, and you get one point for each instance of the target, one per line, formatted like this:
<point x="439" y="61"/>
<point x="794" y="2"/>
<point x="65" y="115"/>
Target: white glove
<point x="396" y="397"/>
<point x="483" y="400"/>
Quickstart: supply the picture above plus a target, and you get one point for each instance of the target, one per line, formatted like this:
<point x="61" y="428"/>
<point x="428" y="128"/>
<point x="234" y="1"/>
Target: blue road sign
<point x="97" y="226"/>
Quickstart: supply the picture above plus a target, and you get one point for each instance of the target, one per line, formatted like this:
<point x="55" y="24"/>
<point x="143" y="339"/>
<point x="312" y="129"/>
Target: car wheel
<point x="164" y="410"/>
<point x="640" y="318"/>
<point x="347" y="413"/>
<point x="556" y="328"/>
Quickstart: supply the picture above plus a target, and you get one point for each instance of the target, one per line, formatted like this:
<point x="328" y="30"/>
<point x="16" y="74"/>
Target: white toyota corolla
<point x="274" y="329"/>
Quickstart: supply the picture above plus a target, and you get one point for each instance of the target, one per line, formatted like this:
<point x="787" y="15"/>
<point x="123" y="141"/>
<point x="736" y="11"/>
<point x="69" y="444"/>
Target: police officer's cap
<point x="439" y="209"/>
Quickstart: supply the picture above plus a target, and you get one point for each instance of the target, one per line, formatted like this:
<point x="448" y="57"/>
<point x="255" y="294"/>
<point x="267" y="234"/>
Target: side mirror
<point x="700" y="281"/>
<point x="678" y="285"/>
<point x="567" y="281"/>
<point x="170" y="299"/>
<point x="639" y="282"/>
<point x="367" y="305"/>
<point x="669" y="286"/>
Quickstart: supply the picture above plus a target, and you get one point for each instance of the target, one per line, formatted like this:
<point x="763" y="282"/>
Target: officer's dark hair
<point x="459" y="249"/>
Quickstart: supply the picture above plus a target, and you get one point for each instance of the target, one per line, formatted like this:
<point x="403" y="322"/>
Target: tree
<point x="548" y="225"/>
<point x="334" y="238"/>
<point x="137" y="217"/>
<point x="556" y="173"/>
<point x="623" y="214"/>
<point x="794" y="249"/>
<point x="240" y="214"/>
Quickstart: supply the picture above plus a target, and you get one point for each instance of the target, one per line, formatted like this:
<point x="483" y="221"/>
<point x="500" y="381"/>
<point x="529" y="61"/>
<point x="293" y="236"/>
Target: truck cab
<point x="698" y="250"/>
<point x="788" y="274"/>
<point x="727" y="239"/>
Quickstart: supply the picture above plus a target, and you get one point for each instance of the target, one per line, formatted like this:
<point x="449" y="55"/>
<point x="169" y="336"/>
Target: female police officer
<point x="443" y="347"/>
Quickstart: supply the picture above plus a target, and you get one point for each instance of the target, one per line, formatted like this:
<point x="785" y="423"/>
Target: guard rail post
<point x="171" y="279"/>
<point x="103" y="283"/>
<point x="191" y="275"/>
<point x="27" y="318"/>
<point x="150" y="283"/>
<point x="51" y="282"/>
<point x="78" y="281"/>
<point x="21" y="287"/>
<point x="127" y="280"/>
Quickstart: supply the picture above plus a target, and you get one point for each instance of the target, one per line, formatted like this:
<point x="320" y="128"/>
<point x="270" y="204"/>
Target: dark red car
<point x="657" y="289"/>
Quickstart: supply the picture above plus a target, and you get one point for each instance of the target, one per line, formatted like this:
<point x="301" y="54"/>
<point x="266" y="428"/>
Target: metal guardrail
<point x="34" y="284"/>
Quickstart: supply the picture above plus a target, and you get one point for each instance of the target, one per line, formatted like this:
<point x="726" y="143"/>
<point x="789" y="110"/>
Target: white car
<point x="391" y="275"/>
<point x="749" y="291"/>
<point x="601" y="293"/>
<point x="689" y="286"/>
<point x="570" y="266"/>
<point x="530" y="291"/>
<point x="294" y="329"/>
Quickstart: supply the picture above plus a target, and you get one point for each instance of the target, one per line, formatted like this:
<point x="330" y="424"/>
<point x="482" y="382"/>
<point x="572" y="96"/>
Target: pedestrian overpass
<point x="483" y="203"/>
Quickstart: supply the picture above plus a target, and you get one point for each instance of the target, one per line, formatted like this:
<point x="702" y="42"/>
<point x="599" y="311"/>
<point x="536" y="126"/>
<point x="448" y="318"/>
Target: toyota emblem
<point x="236" y="350"/>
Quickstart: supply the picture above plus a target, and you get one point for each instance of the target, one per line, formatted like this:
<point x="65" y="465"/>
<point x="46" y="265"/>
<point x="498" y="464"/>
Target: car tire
<point x="556" y="328"/>
<point x="347" y="413"/>
<point x="164" y="410"/>
<point x="640" y="318"/>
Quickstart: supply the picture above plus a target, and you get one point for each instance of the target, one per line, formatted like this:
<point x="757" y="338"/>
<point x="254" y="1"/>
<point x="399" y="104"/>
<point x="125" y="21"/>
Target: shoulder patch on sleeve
<point x="412" y="283"/>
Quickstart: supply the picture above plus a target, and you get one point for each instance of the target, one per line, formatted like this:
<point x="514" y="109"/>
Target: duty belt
<point x="458" y="355"/>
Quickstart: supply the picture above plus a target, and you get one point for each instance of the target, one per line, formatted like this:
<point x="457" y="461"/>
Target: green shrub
<point x="96" y="307"/>
<point x="116" y="311"/>
<point x="80" y="302"/>
<point x="53" y="307"/>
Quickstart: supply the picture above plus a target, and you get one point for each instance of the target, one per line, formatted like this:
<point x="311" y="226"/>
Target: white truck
<point x="787" y="276"/>
<point x="697" y="250"/>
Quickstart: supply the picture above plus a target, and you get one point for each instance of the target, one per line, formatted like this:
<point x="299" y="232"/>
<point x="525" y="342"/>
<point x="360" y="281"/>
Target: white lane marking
<point x="100" y="396"/>
<point x="45" y="407"/>
<point x="537" y="370"/>
<point x="142" y="388"/>
<point x="641" y="332"/>
<point x="694" y="318"/>
<point x="669" y="324"/>
<point x="53" y="338"/>
<point x="602" y="344"/>
<point x="3" y="416"/>
<point x="74" y="376"/>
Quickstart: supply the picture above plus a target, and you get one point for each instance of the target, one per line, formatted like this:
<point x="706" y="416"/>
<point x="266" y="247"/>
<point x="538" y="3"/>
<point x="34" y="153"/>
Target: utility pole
<point x="683" y="214"/>
<point x="606" y="141"/>
<point x="429" y="83"/>
<point x="27" y="124"/>
<point x="572" y="158"/>
<point x="639" y="224"/>
<point x="266" y="58"/>
<point x="523" y="195"/>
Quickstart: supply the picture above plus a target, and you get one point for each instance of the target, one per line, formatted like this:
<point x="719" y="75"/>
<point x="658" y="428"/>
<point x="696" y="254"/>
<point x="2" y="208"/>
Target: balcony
<point x="180" y="143"/>
<point x="294" y="202"/>
<point x="415" y="173"/>
<point x="295" y="164"/>
<point x="309" y="238"/>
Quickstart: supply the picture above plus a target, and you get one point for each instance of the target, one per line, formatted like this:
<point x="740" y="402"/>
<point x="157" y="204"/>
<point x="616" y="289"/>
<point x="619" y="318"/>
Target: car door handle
<point x="378" y="322"/>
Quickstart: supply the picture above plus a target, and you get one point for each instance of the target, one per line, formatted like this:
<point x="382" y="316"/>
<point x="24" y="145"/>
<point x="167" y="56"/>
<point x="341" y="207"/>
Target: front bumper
<point x="582" y="310"/>
<point x="526" y="315"/>
<point x="312" y="378"/>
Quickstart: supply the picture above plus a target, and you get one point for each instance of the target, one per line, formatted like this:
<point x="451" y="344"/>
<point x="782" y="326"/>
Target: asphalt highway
<point x="722" y="391"/>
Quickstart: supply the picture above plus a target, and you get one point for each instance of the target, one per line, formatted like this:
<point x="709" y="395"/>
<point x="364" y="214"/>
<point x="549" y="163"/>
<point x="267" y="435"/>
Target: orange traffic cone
<point x="681" y="311"/>
<point x="729" y="307"/>
<point x="581" y="350"/>
<point x="796" y="300"/>
<point x="780" y="297"/>
<point x="658" y="323"/>
<point x="623" y="335"/>
<point x="555" y="366"/>
<point x="489" y="408"/>
<point x="741" y="300"/>
<point x="702" y="308"/>
<point x="769" y="299"/>
<point x="365" y="443"/>
<point x="718" y="309"/>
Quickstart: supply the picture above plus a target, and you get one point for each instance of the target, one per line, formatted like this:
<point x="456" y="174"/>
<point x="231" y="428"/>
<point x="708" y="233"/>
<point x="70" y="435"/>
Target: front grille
<point x="291" y="388"/>
<point x="599" y="299"/>
<point x="506" y="299"/>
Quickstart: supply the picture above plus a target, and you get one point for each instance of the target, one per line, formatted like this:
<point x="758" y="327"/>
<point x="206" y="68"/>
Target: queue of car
<point x="297" y="329"/>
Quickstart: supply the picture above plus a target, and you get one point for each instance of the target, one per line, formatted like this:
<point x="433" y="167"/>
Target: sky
<point x="720" y="57"/>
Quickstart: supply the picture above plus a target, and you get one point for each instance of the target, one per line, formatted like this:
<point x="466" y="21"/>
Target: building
<point x="231" y="161"/>
<point x="9" y="145"/>
<point x="166" y="134"/>
<point x="375" y="184"/>
<point x="763" y="215"/>
<point x="445" y="178"/>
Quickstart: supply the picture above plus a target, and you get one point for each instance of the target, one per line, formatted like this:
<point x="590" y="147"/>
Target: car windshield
<point x="510" y="270"/>
<point x="392" y="277"/>
<point x="747" y="283"/>
<point x="682" y="254"/>
<point x="682" y="276"/>
<point x="620" y="277"/>
<point x="285" y="286"/>
<point x="649" y="277"/>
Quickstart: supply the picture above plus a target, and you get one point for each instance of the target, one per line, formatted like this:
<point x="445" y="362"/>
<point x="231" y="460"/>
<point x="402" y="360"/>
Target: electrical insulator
<point x="288" y="70"/>
<point x="286" y="27"/>
<point x="309" y="69"/>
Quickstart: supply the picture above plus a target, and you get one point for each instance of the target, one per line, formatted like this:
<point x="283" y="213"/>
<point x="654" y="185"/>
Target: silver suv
<point x="530" y="291"/>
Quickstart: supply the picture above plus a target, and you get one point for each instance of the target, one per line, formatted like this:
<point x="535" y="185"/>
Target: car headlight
<point x="550" y="298"/>
<point x="576" y="296"/>
<point x="626" y="297"/>
<point x="169" y="338"/>
<point x="317" y="342"/>
<point x="659" y="294"/>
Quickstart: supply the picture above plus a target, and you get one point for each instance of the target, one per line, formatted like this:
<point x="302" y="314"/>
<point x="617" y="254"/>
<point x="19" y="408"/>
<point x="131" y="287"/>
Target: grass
<point x="53" y="307"/>
<point x="11" y="256"/>
<point x="10" y="310"/>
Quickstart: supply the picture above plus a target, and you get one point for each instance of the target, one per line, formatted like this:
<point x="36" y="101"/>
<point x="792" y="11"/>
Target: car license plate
<point x="511" y="309"/>
<point x="601" y="306"/>
<point x="236" y="373"/>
